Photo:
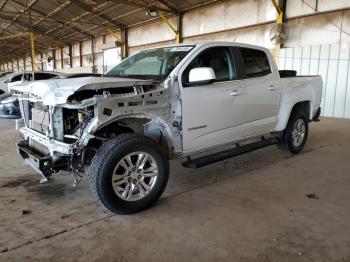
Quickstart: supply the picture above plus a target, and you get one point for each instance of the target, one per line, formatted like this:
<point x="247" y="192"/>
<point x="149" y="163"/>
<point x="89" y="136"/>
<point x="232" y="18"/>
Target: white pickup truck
<point x="207" y="102"/>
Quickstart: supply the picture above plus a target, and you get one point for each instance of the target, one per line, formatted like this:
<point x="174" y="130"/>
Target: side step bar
<point x="239" y="150"/>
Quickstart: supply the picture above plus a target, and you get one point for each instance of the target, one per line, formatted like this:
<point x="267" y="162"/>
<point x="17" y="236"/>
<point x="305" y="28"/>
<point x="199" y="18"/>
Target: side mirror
<point x="202" y="76"/>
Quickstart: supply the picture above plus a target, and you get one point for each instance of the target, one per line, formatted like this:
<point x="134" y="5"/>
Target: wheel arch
<point x="145" y="124"/>
<point x="287" y="111"/>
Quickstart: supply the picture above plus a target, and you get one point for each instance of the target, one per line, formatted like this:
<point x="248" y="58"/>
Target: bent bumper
<point x="41" y="164"/>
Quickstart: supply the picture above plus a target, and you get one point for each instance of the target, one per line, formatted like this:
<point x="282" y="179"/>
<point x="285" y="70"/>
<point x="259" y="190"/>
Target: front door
<point x="212" y="113"/>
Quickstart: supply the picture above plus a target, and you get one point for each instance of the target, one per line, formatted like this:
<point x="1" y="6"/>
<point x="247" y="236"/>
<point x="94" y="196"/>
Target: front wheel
<point x="295" y="135"/>
<point x="129" y="173"/>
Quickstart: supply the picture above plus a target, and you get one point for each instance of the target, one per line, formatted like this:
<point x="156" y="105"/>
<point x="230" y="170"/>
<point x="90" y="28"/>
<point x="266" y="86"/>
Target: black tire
<point x="286" y="143"/>
<point x="105" y="162"/>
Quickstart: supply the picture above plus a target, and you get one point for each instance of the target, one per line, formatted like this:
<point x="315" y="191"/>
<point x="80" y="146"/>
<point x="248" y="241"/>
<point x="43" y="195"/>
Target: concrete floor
<point x="249" y="208"/>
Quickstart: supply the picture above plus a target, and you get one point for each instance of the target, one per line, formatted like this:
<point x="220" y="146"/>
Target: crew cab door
<point x="263" y="91"/>
<point x="212" y="114"/>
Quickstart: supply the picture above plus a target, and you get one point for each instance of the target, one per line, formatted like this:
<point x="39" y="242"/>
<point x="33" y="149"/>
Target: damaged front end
<point x="64" y="123"/>
<point x="53" y="136"/>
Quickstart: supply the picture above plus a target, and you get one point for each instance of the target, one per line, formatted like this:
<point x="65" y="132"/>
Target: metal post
<point x="70" y="56"/>
<point x="279" y="23"/>
<point x="61" y="49"/>
<point x="180" y="27"/>
<point x="172" y="28"/>
<point x="33" y="50"/>
<point x="54" y="59"/>
<point x="81" y="54"/>
<point x="42" y="63"/>
<point x="125" y="47"/>
<point x="93" y="56"/>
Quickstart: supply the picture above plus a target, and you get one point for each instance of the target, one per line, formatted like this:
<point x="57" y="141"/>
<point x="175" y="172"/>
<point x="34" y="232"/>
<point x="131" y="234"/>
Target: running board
<point x="239" y="150"/>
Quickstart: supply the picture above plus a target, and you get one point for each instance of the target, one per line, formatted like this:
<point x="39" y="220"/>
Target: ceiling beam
<point x="104" y="24"/>
<point x="26" y="8"/>
<point x="43" y="14"/>
<point x="167" y="5"/>
<point x="33" y="29"/>
<point x="91" y="10"/>
<point x="132" y="3"/>
<point x="48" y="19"/>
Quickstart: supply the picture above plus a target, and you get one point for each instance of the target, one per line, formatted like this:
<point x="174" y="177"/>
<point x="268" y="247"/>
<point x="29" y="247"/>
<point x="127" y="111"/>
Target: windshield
<point x="154" y="64"/>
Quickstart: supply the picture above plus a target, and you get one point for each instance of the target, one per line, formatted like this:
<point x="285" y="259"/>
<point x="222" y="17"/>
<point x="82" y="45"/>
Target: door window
<point x="43" y="76"/>
<point x="256" y="62"/>
<point x="219" y="59"/>
<point x="28" y="77"/>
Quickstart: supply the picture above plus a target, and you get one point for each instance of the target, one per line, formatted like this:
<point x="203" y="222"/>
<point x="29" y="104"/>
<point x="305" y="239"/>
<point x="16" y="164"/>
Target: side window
<point x="43" y="76"/>
<point x="28" y="77"/>
<point x="16" y="78"/>
<point x="256" y="63"/>
<point x="219" y="59"/>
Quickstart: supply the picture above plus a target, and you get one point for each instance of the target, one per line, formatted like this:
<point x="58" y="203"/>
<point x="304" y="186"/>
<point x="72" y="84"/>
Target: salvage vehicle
<point x="17" y="78"/>
<point x="76" y="75"/>
<point x="9" y="107"/>
<point x="202" y="102"/>
<point x="2" y="74"/>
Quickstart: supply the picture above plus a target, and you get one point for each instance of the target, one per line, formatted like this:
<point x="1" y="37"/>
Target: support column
<point x="33" y="50"/>
<point x="41" y="61"/>
<point x="125" y="47"/>
<point x="180" y="27"/>
<point x="61" y="58"/>
<point x="54" y="59"/>
<point x="70" y="56"/>
<point x="81" y="54"/>
<point x="94" y="69"/>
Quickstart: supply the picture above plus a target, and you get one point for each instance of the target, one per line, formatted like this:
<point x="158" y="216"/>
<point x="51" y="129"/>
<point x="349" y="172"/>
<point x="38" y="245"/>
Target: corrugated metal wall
<point x="332" y="62"/>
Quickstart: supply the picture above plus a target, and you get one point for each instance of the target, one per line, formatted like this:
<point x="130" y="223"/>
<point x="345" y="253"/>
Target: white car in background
<point x="17" y="78"/>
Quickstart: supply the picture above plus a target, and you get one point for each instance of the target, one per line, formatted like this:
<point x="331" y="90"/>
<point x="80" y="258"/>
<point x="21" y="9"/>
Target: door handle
<point x="272" y="88"/>
<point x="235" y="93"/>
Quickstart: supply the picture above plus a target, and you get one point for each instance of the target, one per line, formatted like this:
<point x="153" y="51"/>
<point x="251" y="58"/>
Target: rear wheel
<point x="129" y="173"/>
<point x="295" y="135"/>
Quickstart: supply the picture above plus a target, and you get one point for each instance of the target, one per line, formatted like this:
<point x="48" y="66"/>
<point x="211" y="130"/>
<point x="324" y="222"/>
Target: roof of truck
<point x="204" y="43"/>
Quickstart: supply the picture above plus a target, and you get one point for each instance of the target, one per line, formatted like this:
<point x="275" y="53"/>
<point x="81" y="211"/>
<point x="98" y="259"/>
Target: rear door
<point x="212" y="113"/>
<point x="263" y="91"/>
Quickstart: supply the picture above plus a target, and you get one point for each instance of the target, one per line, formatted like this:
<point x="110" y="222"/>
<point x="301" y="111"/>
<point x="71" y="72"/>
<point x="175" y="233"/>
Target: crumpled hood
<point x="57" y="91"/>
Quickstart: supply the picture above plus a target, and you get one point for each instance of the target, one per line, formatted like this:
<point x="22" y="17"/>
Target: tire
<point x="294" y="143"/>
<point x="115" y="175"/>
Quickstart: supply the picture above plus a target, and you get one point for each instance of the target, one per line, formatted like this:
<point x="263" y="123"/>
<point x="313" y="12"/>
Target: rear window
<point x="256" y="62"/>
